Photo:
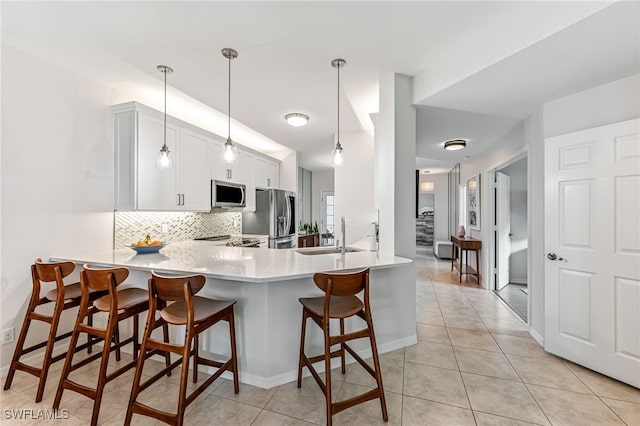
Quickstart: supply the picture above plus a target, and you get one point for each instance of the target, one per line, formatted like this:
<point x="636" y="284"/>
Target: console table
<point x="465" y="245"/>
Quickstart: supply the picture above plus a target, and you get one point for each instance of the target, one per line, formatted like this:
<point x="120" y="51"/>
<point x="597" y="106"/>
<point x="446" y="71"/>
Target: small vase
<point x="461" y="231"/>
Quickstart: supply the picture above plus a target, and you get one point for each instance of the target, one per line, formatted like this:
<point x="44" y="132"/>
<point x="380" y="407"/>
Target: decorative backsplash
<point x="134" y="226"/>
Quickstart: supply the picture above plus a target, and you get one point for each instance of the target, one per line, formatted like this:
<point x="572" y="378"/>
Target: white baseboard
<point x="522" y="281"/>
<point x="536" y="336"/>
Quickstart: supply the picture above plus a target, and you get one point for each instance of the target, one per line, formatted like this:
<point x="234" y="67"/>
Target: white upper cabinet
<point x="225" y="171"/>
<point x="193" y="179"/>
<point x="267" y="173"/>
<point x="157" y="188"/>
<point x="196" y="160"/>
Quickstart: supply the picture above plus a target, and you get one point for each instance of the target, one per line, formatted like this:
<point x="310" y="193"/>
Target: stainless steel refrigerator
<point x="275" y="216"/>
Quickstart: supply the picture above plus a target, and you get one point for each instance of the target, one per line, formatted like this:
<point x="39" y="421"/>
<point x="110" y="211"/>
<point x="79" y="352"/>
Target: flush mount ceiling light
<point x="230" y="151"/>
<point x="427" y="186"/>
<point x="164" y="161"/>
<point x="337" y="158"/>
<point x="455" y="144"/>
<point x="296" y="119"/>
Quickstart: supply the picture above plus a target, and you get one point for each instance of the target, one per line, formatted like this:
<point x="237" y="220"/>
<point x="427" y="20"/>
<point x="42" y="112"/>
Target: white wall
<point x="517" y="173"/>
<point x="441" y="204"/>
<point x="57" y="173"/>
<point x="610" y="103"/>
<point x="354" y="187"/>
<point x="320" y="181"/>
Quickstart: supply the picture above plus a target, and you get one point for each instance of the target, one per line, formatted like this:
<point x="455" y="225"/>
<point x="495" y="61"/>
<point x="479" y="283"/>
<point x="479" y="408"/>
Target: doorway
<point x="511" y="235"/>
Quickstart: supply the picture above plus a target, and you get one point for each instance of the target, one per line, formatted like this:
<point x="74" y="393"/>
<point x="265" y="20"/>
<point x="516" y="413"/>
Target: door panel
<point x="627" y="311"/>
<point x="575" y="213"/>
<point x="592" y="288"/>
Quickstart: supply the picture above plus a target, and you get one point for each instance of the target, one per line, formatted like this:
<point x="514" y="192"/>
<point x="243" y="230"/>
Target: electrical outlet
<point x="7" y="335"/>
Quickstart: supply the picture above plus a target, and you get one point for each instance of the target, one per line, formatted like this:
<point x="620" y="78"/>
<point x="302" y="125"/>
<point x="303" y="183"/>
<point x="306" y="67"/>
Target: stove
<point x="233" y="242"/>
<point x="214" y="238"/>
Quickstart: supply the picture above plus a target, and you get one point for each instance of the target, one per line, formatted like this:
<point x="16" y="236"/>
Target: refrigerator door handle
<point x="288" y="225"/>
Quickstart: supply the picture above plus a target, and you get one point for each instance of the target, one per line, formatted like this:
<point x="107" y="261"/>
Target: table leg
<point x="461" y="250"/>
<point x="453" y="255"/>
<point x="477" y="267"/>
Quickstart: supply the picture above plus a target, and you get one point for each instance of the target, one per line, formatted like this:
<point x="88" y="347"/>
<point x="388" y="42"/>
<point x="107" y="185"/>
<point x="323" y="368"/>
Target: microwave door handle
<point x="243" y="195"/>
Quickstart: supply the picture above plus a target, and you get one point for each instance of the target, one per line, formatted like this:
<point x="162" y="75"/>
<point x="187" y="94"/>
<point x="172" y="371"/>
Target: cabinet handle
<point x="268" y="182"/>
<point x="183" y="199"/>
<point x="230" y="174"/>
<point x="178" y="203"/>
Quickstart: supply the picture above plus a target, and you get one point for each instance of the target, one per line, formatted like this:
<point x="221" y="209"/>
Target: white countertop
<point x="235" y="263"/>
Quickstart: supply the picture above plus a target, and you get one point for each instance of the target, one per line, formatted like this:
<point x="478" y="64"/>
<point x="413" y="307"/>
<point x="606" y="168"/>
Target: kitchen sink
<point x="328" y="250"/>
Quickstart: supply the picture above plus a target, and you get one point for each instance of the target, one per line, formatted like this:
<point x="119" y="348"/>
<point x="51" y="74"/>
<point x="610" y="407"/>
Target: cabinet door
<point x="195" y="180"/>
<point x="225" y="171"/>
<point x="248" y="177"/>
<point x="273" y="174"/>
<point x="156" y="187"/>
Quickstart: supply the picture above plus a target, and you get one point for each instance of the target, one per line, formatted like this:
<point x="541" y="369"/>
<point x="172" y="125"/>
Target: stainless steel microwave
<point x="227" y="194"/>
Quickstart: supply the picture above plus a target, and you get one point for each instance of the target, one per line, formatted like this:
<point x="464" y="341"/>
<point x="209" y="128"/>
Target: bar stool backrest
<point x="51" y="271"/>
<point x="343" y="283"/>
<point x="172" y="288"/>
<point x="103" y="278"/>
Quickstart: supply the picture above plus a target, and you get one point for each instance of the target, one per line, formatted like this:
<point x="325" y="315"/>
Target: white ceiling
<point x="285" y="50"/>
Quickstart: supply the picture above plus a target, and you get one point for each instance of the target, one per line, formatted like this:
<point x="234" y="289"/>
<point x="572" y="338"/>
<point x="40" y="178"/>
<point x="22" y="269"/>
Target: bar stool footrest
<point x="336" y="407"/>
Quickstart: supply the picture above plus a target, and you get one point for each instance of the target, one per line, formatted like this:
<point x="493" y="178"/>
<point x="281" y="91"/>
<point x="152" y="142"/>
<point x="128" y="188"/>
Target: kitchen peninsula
<point x="267" y="284"/>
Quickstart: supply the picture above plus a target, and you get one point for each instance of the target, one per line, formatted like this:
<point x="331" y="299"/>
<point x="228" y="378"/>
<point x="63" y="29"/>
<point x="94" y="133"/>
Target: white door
<point x="327" y="225"/>
<point x="592" y="244"/>
<point x="503" y="228"/>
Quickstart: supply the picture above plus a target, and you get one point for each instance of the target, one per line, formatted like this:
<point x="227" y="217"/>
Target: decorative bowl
<point x="147" y="249"/>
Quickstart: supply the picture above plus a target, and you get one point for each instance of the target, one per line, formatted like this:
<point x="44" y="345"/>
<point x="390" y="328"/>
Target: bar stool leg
<point x="342" y="357"/>
<point x="327" y="371"/>
<point x="75" y="334"/>
<point x="301" y="356"/>
<point x="167" y="354"/>
<point x="184" y="377"/>
<point x="116" y="335"/>
<point x="104" y="362"/>
<point x="48" y="352"/>
<point x="376" y="364"/>
<point x="195" y="358"/>
<point x="33" y="303"/>
<point x="234" y="355"/>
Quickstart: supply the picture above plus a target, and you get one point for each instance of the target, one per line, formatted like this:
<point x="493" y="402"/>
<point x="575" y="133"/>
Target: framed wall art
<point x="473" y="202"/>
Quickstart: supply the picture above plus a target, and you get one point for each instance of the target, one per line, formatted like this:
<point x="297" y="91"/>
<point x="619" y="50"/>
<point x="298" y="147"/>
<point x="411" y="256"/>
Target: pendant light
<point x="164" y="160"/>
<point x="337" y="158"/>
<point x="230" y="151"/>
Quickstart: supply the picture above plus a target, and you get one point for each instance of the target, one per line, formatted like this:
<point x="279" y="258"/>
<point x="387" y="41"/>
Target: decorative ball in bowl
<point x="147" y="246"/>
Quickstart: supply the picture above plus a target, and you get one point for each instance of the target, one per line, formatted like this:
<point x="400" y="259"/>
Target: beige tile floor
<point x="474" y="364"/>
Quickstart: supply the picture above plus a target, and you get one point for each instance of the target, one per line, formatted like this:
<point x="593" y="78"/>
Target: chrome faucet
<point x="344" y="241"/>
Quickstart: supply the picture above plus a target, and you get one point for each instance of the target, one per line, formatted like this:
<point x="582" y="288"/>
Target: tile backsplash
<point x="134" y="226"/>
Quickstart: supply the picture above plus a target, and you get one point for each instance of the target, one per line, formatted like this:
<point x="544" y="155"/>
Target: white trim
<point x="518" y="281"/>
<point x="490" y="220"/>
<point x="536" y="336"/>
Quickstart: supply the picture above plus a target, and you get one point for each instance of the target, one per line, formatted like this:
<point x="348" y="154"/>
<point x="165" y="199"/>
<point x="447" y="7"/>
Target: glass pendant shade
<point x="229" y="152"/>
<point x="163" y="160"/>
<point x="337" y="156"/>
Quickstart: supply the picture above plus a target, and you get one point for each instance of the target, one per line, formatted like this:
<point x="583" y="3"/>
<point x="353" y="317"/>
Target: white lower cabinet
<point x="196" y="160"/>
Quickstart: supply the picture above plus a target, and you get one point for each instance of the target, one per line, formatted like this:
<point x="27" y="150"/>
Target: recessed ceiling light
<point x="455" y="144"/>
<point x="296" y="119"/>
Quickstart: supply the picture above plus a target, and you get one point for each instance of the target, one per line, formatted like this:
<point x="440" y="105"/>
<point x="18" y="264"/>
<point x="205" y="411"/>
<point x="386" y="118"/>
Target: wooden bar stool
<point x="340" y="302"/>
<point x="197" y="314"/>
<point x="120" y="305"/>
<point x="63" y="297"/>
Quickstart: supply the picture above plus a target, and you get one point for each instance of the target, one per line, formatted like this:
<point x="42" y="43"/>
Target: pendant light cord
<point x="165" y="108"/>
<point x="229" y="104"/>
<point x="338" y="104"/>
